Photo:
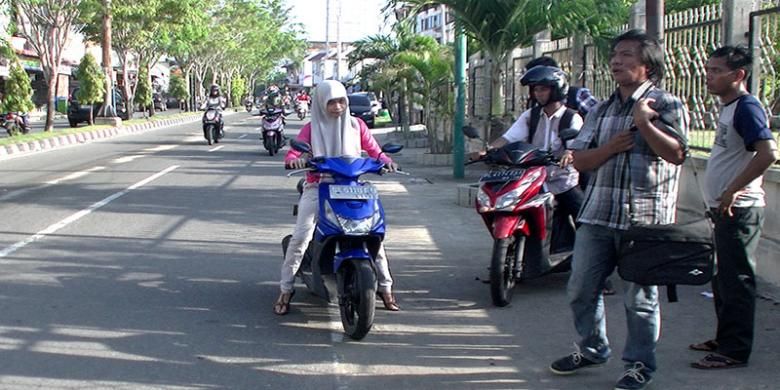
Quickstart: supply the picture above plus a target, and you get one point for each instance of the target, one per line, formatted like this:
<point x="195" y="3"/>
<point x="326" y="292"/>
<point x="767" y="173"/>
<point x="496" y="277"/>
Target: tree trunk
<point x="50" y="98"/>
<point x="149" y="80"/>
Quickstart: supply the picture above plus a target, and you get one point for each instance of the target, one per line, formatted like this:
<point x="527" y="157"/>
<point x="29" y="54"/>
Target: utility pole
<point x="655" y="19"/>
<point x="459" y="147"/>
<point x="338" y="40"/>
<point x="108" y="110"/>
<point x="327" y="38"/>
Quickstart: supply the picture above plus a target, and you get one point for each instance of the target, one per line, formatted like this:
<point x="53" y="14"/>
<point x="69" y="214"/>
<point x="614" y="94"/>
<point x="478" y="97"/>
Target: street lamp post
<point x="459" y="147"/>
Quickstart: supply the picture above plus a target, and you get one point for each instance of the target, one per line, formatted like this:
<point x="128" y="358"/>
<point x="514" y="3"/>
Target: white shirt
<point x="546" y="137"/>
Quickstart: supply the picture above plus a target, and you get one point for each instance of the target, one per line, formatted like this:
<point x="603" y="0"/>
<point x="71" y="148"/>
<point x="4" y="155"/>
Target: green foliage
<point x="143" y="92"/>
<point x="238" y="90"/>
<point x="178" y="88"/>
<point x="671" y="6"/>
<point x="92" y="81"/>
<point x="501" y="25"/>
<point x="18" y="91"/>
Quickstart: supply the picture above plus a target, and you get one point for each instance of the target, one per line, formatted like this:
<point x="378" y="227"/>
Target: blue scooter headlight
<point x="354" y="227"/>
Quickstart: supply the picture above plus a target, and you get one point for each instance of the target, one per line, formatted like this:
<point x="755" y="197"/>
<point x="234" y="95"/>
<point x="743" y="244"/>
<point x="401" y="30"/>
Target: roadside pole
<point x="458" y="148"/>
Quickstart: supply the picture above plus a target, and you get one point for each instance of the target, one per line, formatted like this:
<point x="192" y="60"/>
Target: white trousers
<point x="304" y="229"/>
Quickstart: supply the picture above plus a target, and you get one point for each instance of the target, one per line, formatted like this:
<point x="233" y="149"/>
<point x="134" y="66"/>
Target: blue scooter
<point x="350" y="228"/>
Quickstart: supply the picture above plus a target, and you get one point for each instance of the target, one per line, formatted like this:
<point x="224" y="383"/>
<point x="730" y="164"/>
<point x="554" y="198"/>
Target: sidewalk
<point x="66" y="140"/>
<point x="690" y="320"/>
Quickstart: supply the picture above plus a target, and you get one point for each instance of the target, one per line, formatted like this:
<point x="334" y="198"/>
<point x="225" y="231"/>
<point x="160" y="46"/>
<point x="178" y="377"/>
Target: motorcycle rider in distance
<point x="331" y="132"/>
<point x="303" y="97"/>
<point x="218" y="102"/>
<point x="548" y="87"/>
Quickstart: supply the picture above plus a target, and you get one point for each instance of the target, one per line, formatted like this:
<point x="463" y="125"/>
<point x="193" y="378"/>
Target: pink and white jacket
<point x="367" y="143"/>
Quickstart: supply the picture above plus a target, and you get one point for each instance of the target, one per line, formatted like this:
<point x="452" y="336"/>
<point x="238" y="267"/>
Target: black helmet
<point x="214" y="90"/>
<point x="550" y="76"/>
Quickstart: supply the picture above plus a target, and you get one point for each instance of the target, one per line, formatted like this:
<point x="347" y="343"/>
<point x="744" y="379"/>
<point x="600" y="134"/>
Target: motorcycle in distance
<point x="248" y="105"/>
<point x="272" y="130"/>
<point x="301" y="108"/>
<point x="15" y="123"/>
<point x="530" y="239"/>
<point x="338" y="265"/>
<point x="212" y="120"/>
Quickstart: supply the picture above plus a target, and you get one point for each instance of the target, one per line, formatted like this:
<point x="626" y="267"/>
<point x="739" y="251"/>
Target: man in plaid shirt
<point x="633" y="144"/>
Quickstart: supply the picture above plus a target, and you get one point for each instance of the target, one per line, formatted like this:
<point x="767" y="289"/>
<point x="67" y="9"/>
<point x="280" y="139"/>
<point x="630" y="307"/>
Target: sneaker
<point x="569" y="364"/>
<point x="635" y="378"/>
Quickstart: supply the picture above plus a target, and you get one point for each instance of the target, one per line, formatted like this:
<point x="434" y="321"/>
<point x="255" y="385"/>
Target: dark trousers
<point x="571" y="201"/>
<point x="734" y="283"/>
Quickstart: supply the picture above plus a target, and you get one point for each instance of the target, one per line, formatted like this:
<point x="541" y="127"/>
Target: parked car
<point x="360" y="106"/>
<point x="78" y="113"/>
<point x="376" y="105"/>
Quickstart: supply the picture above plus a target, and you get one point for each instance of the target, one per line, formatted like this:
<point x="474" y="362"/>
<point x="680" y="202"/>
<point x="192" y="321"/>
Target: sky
<point x="359" y="18"/>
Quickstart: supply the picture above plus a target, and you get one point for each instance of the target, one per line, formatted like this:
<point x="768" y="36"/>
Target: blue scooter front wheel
<point x="357" y="301"/>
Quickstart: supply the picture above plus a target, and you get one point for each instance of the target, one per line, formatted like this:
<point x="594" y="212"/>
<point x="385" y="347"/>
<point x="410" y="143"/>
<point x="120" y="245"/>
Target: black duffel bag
<point x="679" y="253"/>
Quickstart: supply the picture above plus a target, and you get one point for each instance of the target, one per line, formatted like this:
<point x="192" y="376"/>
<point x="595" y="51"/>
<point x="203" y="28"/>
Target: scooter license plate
<point x="353" y="192"/>
<point x="495" y="176"/>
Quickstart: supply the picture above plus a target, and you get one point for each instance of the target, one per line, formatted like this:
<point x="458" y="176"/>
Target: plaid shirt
<point x="585" y="101"/>
<point x="653" y="181"/>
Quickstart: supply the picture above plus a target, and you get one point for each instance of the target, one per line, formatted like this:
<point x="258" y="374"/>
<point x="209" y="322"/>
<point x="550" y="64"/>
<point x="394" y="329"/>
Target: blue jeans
<point x="595" y="257"/>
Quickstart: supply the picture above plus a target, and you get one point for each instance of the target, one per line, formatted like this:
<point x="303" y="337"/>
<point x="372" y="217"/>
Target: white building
<point x="434" y="21"/>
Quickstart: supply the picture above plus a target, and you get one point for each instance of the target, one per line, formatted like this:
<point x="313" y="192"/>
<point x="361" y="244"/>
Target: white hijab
<point x="333" y="137"/>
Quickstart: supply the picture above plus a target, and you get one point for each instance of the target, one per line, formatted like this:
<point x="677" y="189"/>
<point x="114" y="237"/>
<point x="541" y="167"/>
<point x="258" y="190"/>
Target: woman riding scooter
<point x="331" y="132"/>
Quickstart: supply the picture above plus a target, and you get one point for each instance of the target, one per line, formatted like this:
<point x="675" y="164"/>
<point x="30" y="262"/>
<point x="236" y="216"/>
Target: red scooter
<point x="530" y="238"/>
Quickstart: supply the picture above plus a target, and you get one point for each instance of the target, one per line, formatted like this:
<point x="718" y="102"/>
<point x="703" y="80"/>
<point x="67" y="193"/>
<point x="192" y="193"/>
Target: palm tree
<point x="431" y="65"/>
<point x="502" y="25"/>
<point x="394" y="76"/>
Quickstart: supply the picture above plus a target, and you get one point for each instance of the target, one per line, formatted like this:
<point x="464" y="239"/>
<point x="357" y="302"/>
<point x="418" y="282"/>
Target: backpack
<point x="536" y="116"/>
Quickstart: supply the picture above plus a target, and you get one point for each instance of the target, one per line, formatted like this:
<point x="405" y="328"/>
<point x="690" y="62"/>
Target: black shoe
<point x="637" y="377"/>
<point x="569" y="364"/>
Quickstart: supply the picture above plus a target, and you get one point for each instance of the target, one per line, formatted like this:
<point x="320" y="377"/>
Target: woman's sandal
<point x="714" y="361"/>
<point x="707" y="346"/>
<point x="282" y="306"/>
<point x="389" y="301"/>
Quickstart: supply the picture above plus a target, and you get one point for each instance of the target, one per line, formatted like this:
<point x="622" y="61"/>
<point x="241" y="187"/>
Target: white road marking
<point x="242" y="136"/>
<point x="217" y="148"/>
<point x="143" y="153"/>
<point x="71" y="176"/>
<point x="74" y="175"/>
<point x="75" y="217"/>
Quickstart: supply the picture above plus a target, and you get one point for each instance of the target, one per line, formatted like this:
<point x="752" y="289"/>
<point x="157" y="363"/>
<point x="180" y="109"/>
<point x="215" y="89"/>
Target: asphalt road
<point x="151" y="261"/>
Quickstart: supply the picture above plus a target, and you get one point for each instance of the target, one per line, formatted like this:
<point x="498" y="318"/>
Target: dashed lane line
<point x="75" y="217"/>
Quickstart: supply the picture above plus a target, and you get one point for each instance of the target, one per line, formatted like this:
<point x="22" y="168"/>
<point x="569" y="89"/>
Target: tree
<point x="178" y="88"/>
<point x="502" y="25"/>
<point x="18" y="92"/>
<point x="681" y="5"/>
<point x="395" y="77"/>
<point x="432" y="64"/>
<point x="143" y="90"/>
<point x="47" y="26"/>
<point x="91" y="83"/>
<point x="238" y="90"/>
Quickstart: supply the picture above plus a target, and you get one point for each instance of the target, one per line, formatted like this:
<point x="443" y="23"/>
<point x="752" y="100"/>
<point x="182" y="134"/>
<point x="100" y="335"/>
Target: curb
<point x="26" y="148"/>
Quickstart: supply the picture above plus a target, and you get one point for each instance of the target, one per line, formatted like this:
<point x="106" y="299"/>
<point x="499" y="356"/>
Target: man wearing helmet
<point x="540" y="126"/>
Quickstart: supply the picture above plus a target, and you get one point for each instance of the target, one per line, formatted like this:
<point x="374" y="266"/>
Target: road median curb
<point x="56" y="142"/>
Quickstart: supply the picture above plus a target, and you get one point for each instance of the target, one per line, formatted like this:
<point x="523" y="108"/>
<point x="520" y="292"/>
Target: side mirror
<point x="300" y="146"/>
<point x="470" y="132"/>
<point x="568" y="134"/>
<point x="391" y="148"/>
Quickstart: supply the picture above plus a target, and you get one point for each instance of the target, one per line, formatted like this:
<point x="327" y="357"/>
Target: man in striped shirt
<point x="633" y="144"/>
